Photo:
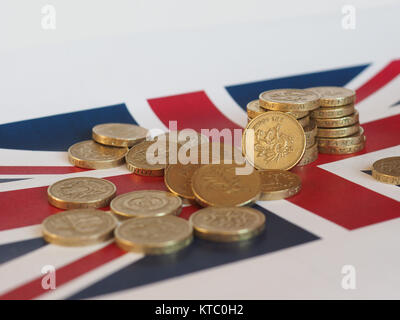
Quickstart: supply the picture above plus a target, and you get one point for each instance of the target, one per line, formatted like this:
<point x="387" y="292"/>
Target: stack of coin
<point x="337" y="120"/>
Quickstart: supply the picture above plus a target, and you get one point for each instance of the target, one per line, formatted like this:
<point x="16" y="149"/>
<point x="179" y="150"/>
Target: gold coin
<point x="334" y="96"/>
<point x="289" y="100"/>
<point x="279" y="184"/>
<point x="154" y="235"/>
<point x="188" y="137"/>
<point x="310" y="155"/>
<point x="91" y="155"/>
<point x="387" y="170"/>
<point x="79" y="227"/>
<point x="343" y="142"/>
<point x="304" y="121"/>
<point x="254" y="109"/>
<point x="137" y="162"/>
<point x="178" y="179"/>
<point x="338" y="132"/>
<point x="227" y="224"/>
<point x="338" y="122"/>
<point x="118" y="134"/>
<point x="311" y="132"/>
<point x="146" y="203"/>
<point x="219" y="185"/>
<point x="333" y="112"/>
<point x="81" y="192"/>
<point x="274" y="140"/>
<point x="342" y="150"/>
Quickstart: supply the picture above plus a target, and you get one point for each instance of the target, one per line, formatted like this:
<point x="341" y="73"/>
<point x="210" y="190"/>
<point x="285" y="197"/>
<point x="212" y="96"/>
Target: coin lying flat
<point x="333" y="112"/>
<point x="254" y="109"/>
<point x="338" y="132"/>
<point x="146" y="203"/>
<point x="310" y="155"/>
<point x="343" y="149"/>
<point x="387" y="170"/>
<point x="338" y="122"/>
<point x="227" y="224"/>
<point x="219" y="185"/>
<point x="311" y="132"/>
<point x="289" y="100"/>
<point x="118" y="134"/>
<point x="187" y="137"/>
<point x="79" y="227"/>
<point x="274" y="140"/>
<point x="334" y="96"/>
<point x="279" y="184"/>
<point x="343" y="142"/>
<point x="81" y="192"/>
<point x="91" y="155"/>
<point x="178" y="179"/>
<point x="154" y="235"/>
<point x="137" y="162"/>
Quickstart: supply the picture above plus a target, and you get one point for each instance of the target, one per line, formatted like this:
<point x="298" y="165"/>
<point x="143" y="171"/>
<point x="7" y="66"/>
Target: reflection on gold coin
<point x="274" y="140"/>
<point x="178" y="179"/>
<point x="137" y="161"/>
<point x="310" y="155"/>
<point x="338" y="122"/>
<point x="146" y="203"/>
<point x="155" y="235"/>
<point x="311" y="132"/>
<point x="334" y="96"/>
<point x="333" y="112"/>
<point x="343" y="142"/>
<point x="81" y="192"/>
<point x="254" y="109"/>
<point x="118" y="134"/>
<point x="289" y="100"/>
<point x="279" y="184"/>
<point x="79" y="227"/>
<point x="338" y="132"/>
<point x="91" y="155"/>
<point x="387" y="170"/>
<point x="227" y="224"/>
<point x="219" y="185"/>
<point x="342" y="150"/>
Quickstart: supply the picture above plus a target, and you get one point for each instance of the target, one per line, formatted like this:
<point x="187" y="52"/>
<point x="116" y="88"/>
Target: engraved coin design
<point x="227" y="224"/>
<point x="79" y="227"/>
<point x="146" y="203"/>
<point x="279" y="184"/>
<point x="137" y="162"/>
<point x="338" y="132"/>
<point x="334" y="96"/>
<point x="274" y="140"/>
<point x="387" y="170"/>
<point x="220" y="185"/>
<point x="81" y="192"/>
<point x="338" y="122"/>
<point x="154" y="235"/>
<point x="118" y="134"/>
<point x="289" y="100"/>
<point x="91" y="155"/>
<point x="356" y="138"/>
<point x="342" y="149"/>
<point x="333" y="112"/>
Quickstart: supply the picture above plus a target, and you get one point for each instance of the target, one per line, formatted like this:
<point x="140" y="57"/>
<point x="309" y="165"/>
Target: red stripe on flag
<point x="39" y="170"/>
<point x="33" y="289"/>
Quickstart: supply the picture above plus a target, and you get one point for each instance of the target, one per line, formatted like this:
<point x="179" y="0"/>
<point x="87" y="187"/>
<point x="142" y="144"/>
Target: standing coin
<point x="333" y="112"/>
<point x="289" y="100"/>
<point x="219" y="185"/>
<point x="154" y="235"/>
<point x="178" y="179"/>
<point x="227" y="224"/>
<point x="81" y="192"/>
<point x="338" y="122"/>
<point x="334" y="96"/>
<point x="79" y="227"/>
<point x="137" y="159"/>
<point x="279" y="184"/>
<point x="91" y="155"/>
<point x="146" y="203"/>
<point x="387" y="170"/>
<point x="274" y="140"/>
<point x="118" y="134"/>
